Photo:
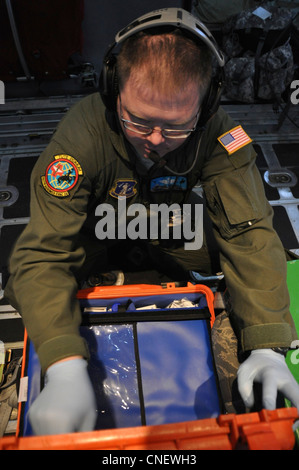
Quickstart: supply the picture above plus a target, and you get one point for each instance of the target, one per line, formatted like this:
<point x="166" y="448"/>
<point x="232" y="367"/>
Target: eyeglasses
<point x="147" y="130"/>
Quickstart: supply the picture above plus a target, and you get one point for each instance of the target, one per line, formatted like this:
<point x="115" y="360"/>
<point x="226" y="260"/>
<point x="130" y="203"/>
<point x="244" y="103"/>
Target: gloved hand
<point x="67" y="402"/>
<point x="270" y="369"/>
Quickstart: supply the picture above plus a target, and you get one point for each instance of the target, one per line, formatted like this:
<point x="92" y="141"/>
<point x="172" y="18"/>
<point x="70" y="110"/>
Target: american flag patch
<point x="234" y="139"/>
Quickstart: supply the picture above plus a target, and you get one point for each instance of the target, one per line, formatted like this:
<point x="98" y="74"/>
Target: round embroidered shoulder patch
<point x="61" y="175"/>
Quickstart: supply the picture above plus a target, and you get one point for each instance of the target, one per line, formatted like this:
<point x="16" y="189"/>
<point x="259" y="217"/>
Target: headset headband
<point x="176" y="17"/>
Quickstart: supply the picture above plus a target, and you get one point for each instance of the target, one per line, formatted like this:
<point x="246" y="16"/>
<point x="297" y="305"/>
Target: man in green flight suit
<point x="157" y="119"/>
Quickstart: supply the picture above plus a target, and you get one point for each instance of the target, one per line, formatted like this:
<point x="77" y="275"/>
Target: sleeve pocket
<point x="233" y="203"/>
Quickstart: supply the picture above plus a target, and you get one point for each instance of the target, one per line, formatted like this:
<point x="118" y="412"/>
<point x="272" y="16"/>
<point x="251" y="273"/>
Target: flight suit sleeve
<point x="46" y="257"/>
<point x="251" y="254"/>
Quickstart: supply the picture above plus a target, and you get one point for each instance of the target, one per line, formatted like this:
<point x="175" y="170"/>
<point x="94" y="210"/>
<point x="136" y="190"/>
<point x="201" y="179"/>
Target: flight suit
<point x="88" y="163"/>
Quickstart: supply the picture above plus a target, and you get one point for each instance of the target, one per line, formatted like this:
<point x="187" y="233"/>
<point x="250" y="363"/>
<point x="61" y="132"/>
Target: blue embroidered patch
<point x="123" y="188"/>
<point x="167" y="183"/>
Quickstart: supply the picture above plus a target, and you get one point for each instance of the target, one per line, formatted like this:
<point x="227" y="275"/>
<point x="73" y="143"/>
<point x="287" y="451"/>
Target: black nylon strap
<point x="89" y="318"/>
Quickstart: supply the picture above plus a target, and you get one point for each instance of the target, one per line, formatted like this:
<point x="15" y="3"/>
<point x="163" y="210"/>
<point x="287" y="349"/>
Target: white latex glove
<point x="270" y="369"/>
<point x="67" y="402"/>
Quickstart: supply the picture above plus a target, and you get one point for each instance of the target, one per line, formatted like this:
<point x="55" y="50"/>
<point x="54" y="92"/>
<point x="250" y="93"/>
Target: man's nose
<point x="156" y="137"/>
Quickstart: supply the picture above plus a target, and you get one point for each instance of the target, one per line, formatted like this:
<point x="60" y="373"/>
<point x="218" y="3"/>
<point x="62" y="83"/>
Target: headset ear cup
<point x="108" y="83"/>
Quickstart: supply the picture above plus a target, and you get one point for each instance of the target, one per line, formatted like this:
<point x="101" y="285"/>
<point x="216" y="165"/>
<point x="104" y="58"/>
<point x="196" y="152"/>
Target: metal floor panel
<point x="276" y="140"/>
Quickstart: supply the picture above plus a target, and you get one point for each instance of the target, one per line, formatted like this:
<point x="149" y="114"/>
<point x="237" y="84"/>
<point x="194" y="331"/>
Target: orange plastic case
<point x="265" y="430"/>
<point x="148" y="290"/>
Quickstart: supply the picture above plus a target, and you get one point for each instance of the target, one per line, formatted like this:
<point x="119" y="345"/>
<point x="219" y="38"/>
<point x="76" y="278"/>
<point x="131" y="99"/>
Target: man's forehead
<point x="146" y="95"/>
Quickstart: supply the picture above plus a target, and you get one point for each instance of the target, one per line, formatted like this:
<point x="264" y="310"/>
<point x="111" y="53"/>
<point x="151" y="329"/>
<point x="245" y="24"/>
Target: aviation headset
<point x="164" y="18"/>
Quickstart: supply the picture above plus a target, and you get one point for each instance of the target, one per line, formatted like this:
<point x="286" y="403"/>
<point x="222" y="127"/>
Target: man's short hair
<point x="167" y="62"/>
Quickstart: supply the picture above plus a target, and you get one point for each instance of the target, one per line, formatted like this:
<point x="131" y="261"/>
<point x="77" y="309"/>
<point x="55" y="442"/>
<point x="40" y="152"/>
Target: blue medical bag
<point x="148" y="365"/>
